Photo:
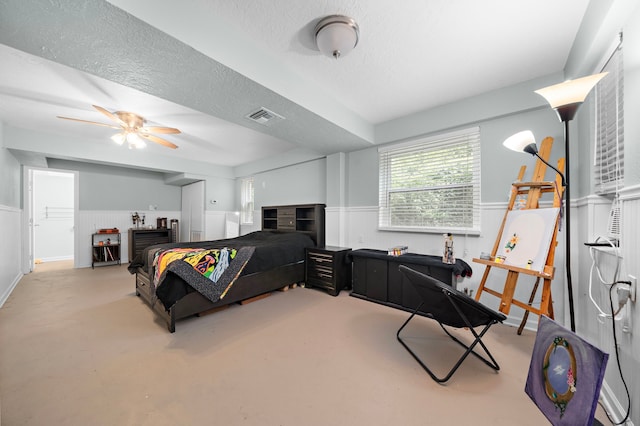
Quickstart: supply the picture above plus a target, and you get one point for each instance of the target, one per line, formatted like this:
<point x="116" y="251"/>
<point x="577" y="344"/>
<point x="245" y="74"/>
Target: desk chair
<point x="452" y="308"/>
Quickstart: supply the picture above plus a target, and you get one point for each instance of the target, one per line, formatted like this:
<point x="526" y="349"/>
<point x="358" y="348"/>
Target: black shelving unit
<point x="105" y="249"/>
<point x="306" y="218"/>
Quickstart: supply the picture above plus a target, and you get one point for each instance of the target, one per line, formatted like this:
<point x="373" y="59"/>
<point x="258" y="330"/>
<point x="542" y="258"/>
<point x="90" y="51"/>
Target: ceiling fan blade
<point x="161" y="141"/>
<point x="110" y="115"/>
<point x="90" y="122"/>
<point x="164" y="130"/>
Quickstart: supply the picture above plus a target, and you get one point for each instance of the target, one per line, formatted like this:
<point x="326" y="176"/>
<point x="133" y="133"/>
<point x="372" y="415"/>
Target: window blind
<point x="246" y="201"/>
<point x="432" y="184"/>
<point x="609" y="132"/>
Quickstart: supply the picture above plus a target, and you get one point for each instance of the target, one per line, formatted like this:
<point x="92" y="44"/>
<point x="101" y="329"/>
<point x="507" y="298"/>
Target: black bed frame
<point x="245" y="287"/>
<point x="305" y="218"/>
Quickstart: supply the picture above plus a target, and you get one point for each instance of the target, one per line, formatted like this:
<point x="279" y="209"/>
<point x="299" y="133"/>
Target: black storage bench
<point x="376" y="276"/>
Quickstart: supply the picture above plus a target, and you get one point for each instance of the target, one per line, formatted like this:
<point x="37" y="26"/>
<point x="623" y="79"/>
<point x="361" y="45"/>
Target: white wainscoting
<point x="360" y="226"/>
<point x="599" y="330"/>
<point x="214" y="225"/>
<point x="10" y="250"/>
<point x="89" y="221"/>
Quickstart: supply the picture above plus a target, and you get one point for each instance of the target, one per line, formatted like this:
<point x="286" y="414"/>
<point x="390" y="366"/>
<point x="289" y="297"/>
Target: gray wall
<point x="221" y="194"/>
<point x="602" y="23"/>
<point x="9" y="176"/>
<point x="10" y="221"/>
<point x="296" y="184"/>
<point x="499" y="165"/>
<point x="104" y="187"/>
<point x="632" y="98"/>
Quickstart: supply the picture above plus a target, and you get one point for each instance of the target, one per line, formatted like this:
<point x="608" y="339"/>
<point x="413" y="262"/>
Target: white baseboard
<point x="56" y="258"/>
<point x="611" y="405"/>
<point x="4" y="296"/>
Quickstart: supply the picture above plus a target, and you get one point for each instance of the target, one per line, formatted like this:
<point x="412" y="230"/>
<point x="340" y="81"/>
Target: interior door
<point x="192" y="226"/>
<point x="53" y="215"/>
<point x="64" y="218"/>
<point x="29" y="222"/>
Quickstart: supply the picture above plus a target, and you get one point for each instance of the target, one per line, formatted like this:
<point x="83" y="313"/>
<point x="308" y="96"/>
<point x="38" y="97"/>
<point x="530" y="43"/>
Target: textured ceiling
<point x="202" y="65"/>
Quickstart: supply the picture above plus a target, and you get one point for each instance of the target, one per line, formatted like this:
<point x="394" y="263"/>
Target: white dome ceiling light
<point x="336" y="35"/>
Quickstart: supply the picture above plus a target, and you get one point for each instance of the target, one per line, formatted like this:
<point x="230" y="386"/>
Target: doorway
<point x="192" y="227"/>
<point x="51" y="205"/>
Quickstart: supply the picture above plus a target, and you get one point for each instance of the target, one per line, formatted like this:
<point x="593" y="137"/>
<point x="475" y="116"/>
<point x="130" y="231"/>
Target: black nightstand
<point x="328" y="267"/>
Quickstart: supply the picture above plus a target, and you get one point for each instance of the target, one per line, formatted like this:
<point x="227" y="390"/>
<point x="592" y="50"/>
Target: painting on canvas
<point x="526" y="238"/>
<point x="565" y="375"/>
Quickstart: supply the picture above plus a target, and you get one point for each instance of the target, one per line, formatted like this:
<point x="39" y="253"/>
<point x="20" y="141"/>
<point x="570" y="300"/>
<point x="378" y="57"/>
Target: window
<point x="246" y="201"/>
<point x="609" y="143"/>
<point x="431" y="185"/>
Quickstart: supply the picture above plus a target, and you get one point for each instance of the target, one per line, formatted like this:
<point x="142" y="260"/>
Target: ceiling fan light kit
<point x="133" y="139"/>
<point x="336" y="35"/>
<point x="132" y="129"/>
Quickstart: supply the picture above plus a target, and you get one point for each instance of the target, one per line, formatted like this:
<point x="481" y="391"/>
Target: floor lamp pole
<point x="567" y="223"/>
<point x="565" y="98"/>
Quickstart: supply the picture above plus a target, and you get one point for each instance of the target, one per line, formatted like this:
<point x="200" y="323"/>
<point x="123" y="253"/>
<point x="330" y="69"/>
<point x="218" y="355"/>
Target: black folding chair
<point x="450" y="307"/>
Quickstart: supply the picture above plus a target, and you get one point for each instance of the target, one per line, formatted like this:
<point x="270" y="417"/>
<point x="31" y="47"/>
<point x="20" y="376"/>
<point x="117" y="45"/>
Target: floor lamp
<point x="565" y="98"/>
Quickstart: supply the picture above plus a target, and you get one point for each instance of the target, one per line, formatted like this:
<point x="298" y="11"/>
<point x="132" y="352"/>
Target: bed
<point x="170" y="277"/>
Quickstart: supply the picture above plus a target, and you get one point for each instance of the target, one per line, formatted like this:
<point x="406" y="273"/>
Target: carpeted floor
<point x="77" y="347"/>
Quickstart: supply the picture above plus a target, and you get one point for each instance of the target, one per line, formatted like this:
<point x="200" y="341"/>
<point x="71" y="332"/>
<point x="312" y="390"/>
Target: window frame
<point x="247" y="201"/>
<point x="468" y="138"/>
<point x="608" y="154"/>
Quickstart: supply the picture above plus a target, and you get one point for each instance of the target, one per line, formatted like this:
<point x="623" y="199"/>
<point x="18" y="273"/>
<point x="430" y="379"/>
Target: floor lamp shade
<point x="566" y="97"/>
<point x="522" y="142"/>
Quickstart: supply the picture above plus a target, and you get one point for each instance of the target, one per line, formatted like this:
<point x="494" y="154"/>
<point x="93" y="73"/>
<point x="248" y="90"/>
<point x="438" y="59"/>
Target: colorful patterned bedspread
<point x="204" y="269"/>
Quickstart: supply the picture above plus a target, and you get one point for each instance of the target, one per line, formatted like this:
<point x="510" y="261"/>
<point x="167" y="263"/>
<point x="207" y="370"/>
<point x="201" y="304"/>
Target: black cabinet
<point x="328" y="267"/>
<point x="376" y="276"/>
<point x="370" y="278"/>
<point x="105" y="249"/>
<point x="139" y="239"/>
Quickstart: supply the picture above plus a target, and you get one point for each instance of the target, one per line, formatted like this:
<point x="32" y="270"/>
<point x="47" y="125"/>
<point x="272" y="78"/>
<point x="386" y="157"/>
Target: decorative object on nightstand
<point x="328" y="267"/>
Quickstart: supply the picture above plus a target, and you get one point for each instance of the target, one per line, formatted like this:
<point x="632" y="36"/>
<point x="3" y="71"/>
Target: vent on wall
<point x="264" y="116"/>
<point x="613" y="227"/>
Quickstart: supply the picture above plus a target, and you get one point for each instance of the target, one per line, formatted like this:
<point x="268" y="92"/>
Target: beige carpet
<point x="77" y="347"/>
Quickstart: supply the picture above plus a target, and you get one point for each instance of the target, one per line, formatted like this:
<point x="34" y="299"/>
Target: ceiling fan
<point x="132" y="128"/>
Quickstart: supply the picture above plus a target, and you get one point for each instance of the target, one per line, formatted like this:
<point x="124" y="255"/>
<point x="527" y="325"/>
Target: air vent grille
<point x="264" y="116"/>
<point x="614" y="220"/>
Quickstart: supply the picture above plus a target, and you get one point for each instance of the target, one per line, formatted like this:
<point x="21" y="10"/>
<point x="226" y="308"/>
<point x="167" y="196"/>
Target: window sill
<point x="438" y="231"/>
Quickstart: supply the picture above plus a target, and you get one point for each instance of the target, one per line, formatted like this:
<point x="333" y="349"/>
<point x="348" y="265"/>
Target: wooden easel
<point x="532" y="190"/>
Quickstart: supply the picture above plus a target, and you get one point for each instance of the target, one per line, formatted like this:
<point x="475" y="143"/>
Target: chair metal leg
<point x="469" y="349"/>
<point x="433" y="376"/>
<point x="478" y="337"/>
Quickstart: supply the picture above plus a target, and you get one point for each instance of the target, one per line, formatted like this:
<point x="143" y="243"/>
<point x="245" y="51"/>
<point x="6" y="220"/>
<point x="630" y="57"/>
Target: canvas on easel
<point x="526" y="238"/>
<point x="565" y="375"/>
